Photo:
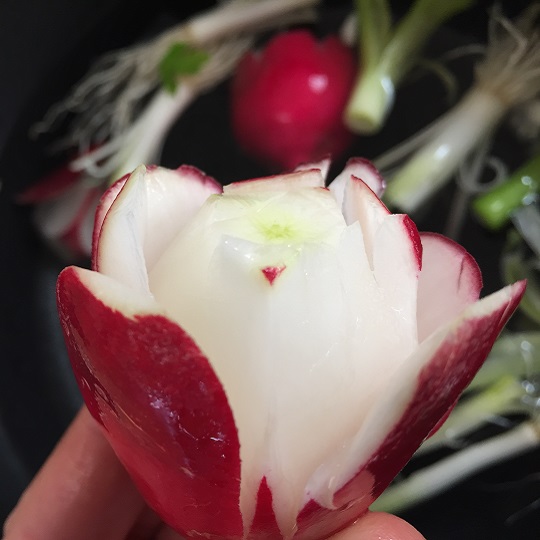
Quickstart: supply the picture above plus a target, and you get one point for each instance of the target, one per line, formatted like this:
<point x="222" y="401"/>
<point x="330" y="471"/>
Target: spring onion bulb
<point x="508" y="75"/>
<point x="387" y="54"/>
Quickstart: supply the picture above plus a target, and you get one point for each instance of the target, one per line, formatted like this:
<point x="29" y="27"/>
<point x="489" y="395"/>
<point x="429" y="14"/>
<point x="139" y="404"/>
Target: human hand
<point x="83" y="492"/>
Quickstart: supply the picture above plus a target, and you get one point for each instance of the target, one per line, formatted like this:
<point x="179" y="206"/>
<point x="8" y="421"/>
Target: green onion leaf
<point x="180" y="59"/>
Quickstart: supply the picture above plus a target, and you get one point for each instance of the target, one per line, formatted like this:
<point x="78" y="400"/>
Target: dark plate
<point x="46" y="47"/>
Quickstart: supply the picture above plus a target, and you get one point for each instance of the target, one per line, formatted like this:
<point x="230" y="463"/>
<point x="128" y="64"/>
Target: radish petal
<point x="450" y="280"/>
<point x="301" y="178"/>
<point x="146" y="215"/>
<point x="162" y="407"/>
<point x="362" y="169"/>
<point x="323" y="165"/>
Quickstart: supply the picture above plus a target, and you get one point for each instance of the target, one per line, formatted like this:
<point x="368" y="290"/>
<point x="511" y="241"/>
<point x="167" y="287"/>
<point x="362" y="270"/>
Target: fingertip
<point x="379" y="526"/>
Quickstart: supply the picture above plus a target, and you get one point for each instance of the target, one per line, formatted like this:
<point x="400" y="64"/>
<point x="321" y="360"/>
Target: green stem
<point x="502" y="398"/>
<point x="386" y="61"/>
<point x="464" y="128"/>
<point x="436" y="478"/>
<point x="414" y="30"/>
<point x="515" y="267"/>
<point x="495" y="207"/>
<point x="514" y="354"/>
<point x="374" y="22"/>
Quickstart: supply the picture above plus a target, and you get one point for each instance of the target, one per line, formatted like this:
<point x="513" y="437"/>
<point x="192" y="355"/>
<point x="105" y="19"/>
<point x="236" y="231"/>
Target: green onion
<point x="526" y="220"/>
<point x="495" y="207"/>
<point x="130" y="98"/>
<point x="447" y="472"/>
<point x="516" y="266"/>
<point x="386" y="54"/>
<point x="502" y="398"/>
<point x="515" y="354"/>
<point x="508" y="76"/>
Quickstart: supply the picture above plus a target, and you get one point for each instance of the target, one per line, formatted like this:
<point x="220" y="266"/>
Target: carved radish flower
<point x="265" y="359"/>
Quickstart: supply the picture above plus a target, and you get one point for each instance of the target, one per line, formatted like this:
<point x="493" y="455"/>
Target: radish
<point x="65" y="203"/>
<point x="287" y="100"/>
<point x="265" y="358"/>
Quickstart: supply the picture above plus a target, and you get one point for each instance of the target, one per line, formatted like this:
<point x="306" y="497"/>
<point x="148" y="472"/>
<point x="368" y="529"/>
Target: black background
<point x="45" y="47"/>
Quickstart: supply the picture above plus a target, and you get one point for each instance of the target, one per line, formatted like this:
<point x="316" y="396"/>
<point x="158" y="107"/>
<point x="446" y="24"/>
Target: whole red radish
<point x="288" y="99"/>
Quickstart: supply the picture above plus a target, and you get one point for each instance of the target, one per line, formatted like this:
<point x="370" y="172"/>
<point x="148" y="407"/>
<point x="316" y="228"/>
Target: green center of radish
<point x="277" y="232"/>
<point x="272" y="219"/>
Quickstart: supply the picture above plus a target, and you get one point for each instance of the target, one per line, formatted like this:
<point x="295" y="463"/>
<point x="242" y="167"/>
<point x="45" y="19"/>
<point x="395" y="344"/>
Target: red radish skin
<point x="272" y="272"/>
<point x="49" y="187"/>
<point x="53" y="184"/>
<point x="409" y="225"/>
<point x="65" y="209"/>
<point x="167" y="415"/>
<point x="264" y="522"/>
<point x="287" y="100"/>
<point x="183" y="455"/>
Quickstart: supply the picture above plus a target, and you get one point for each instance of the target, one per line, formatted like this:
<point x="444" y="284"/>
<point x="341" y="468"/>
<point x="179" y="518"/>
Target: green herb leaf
<point x="180" y="59"/>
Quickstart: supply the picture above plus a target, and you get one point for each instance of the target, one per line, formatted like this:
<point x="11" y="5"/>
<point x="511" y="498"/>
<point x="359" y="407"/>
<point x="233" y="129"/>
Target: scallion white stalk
<point x="142" y="141"/>
<point x="469" y="123"/>
<point x="509" y="75"/>
<point x="386" y="55"/>
<point x="447" y="472"/>
<point x="240" y="16"/>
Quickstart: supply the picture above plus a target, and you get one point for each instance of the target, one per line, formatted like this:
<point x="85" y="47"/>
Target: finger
<point x="145" y="526"/>
<point x="81" y="492"/>
<point x="379" y="526"/>
<point x="166" y="533"/>
<point x="150" y="527"/>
